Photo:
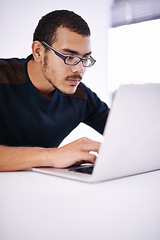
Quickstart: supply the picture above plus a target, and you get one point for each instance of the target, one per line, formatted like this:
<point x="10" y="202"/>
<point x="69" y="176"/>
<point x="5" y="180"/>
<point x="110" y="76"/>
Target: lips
<point x="74" y="80"/>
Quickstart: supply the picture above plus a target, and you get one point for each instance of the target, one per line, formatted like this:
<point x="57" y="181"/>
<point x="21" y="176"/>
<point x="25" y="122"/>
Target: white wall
<point x="18" y="20"/>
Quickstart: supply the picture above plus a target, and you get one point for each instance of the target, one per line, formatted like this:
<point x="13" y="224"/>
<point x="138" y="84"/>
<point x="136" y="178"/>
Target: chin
<point x="69" y="91"/>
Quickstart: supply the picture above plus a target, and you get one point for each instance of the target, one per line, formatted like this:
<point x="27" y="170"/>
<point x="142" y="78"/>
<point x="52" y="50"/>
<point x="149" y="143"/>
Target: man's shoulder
<point x="12" y="71"/>
<point x="82" y="92"/>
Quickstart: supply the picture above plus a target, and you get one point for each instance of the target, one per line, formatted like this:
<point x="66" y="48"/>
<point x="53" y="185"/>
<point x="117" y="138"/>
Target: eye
<point x="72" y="60"/>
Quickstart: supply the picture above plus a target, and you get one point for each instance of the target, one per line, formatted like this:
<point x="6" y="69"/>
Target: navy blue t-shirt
<point x="29" y="119"/>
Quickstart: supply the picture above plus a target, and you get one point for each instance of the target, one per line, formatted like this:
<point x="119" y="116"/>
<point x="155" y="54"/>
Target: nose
<point x="79" y="68"/>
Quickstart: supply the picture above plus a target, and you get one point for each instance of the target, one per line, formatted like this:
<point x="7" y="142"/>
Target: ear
<point x="38" y="51"/>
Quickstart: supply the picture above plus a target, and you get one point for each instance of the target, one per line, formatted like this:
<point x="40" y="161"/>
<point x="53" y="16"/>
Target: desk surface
<point x="35" y="206"/>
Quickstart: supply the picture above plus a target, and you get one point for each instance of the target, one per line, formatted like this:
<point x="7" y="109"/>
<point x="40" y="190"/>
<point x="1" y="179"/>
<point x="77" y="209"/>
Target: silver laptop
<point x="131" y="143"/>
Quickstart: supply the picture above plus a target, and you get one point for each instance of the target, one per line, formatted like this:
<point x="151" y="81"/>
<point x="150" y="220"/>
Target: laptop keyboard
<point x="82" y="169"/>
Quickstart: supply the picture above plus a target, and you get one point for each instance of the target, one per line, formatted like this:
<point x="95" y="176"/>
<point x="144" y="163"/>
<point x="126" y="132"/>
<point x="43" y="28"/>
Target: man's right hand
<point x="74" y="153"/>
<point x="21" y="158"/>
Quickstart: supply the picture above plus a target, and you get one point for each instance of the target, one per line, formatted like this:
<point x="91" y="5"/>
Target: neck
<point x="43" y="86"/>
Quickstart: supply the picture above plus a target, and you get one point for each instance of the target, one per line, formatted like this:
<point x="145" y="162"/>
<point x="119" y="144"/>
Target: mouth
<point x="74" y="80"/>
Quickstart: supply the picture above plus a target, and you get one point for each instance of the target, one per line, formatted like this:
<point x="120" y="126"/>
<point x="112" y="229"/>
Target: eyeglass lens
<point x="75" y="60"/>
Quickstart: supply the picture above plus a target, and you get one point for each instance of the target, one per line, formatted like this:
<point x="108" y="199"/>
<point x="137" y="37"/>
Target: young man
<point x="43" y="100"/>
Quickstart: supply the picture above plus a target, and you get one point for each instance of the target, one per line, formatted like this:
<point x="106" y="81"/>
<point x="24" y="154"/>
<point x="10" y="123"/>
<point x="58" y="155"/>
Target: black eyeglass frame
<point x="64" y="57"/>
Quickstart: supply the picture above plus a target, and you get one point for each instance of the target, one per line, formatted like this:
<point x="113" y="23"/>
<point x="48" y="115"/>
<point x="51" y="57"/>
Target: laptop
<point x="131" y="142"/>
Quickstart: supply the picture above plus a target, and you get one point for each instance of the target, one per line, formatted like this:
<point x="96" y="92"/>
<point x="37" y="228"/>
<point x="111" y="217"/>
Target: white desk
<point x="34" y="206"/>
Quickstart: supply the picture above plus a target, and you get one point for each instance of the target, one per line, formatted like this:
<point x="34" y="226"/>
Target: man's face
<point x="64" y="77"/>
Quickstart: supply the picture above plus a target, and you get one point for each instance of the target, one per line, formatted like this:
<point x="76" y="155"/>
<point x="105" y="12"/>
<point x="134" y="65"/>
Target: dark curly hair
<point x="48" y="24"/>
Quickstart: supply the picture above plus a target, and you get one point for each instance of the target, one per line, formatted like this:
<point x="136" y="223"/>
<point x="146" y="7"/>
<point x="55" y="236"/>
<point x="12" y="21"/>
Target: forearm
<point x="20" y="158"/>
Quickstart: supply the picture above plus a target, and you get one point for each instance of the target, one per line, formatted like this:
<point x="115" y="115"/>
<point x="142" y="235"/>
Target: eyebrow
<point x="75" y="52"/>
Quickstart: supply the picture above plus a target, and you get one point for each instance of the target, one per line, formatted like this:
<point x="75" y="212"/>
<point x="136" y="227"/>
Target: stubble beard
<point x="75" y="76"/>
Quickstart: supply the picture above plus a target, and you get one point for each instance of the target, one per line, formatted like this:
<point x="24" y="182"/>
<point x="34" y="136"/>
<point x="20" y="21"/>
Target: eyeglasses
<point x="72" y="60"/>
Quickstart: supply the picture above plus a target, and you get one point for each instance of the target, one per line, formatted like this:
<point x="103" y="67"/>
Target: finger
<point x="89" y="145"/>
<point x="88" y="157"/>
